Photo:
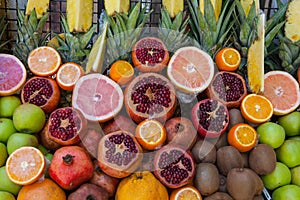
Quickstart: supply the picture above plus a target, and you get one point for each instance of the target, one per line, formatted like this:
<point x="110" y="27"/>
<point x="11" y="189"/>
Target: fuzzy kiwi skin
<point x="228" y="157"/>
<point x="204" y="151"/>
<point x="223" y="185"/>
<point x="245" y="156"/>
<point x="219" y="196"/>
<point x="207" y="178"/>
<point x="262" y="159"/>
<point x="235" y="117"/>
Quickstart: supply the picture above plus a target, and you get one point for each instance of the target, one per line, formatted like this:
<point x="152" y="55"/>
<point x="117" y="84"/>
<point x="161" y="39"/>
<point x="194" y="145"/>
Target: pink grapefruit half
<point x="98" y="97"/>
<point x="12" y="74"/>
<point x="190" y="69"/>
<point x="282" y="89"/>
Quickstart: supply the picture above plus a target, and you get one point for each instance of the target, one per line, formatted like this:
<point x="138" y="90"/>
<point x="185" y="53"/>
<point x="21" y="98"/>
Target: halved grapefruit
<point x="98" y="97"/>
<point x="12" y="74"/>
<point x="190" y="69"/>
<point x="282" y="89"/>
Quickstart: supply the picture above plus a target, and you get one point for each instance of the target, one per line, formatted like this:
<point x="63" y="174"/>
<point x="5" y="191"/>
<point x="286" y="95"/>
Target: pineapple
<point x="3" y="27"/>
<point x="292" y="25"/>
<point x="211" y="34"/>
<point x="173" y="6"/>
<point x="116" y="6"/>
<point x="40" y="6"/>
<point x="246" y="4"/>
<point x="217" y="5"/>
<point x="79" y="15"/>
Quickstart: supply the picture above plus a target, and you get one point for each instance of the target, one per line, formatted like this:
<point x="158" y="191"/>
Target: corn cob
<point x="116" y="6"/>
<point x="40" y="6"/>
<point x="173" y="6"/>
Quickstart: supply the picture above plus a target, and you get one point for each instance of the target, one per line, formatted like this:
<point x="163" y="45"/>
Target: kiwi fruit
<point x="258" y="197"/>
<point x="241" y="184"/>
<point x="204" y="151"/>
<point x="222" y="186"/>
<point x="219" y="196"/>
<point x="245" y="156"/>
<point x="206" y="178"/>
<point x="258" y="182"/>
<point x="262" y="159"/>
<point x="228" y="157"/>
<point x="219" y="142"/>
<point x="235" y="117"/>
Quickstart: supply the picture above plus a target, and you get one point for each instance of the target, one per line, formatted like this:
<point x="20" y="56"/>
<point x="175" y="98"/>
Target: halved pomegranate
<point x="119" y="154"/>
<point x="150" y="95"/>
<point x="66" y="125"/>
<point x="41" y="91"/>
<point x="210" y="117"/>
<point x="174" y="166"/>
<point x="150" y="54"/>
<point x="228" y="87"/>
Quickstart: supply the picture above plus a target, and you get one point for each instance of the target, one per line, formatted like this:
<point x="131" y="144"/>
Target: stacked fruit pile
<point x="152" y="113"/>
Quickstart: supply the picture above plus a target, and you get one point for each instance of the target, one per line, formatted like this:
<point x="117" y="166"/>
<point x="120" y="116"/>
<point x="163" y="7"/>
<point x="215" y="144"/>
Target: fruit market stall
<point x="149" y="99"/>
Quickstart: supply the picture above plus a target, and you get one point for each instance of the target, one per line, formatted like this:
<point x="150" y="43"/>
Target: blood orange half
<point x="12" y="74"/>
<point x="98" y="97"/>
<point x="191" y="69"/>
<point x="282" y="89"/>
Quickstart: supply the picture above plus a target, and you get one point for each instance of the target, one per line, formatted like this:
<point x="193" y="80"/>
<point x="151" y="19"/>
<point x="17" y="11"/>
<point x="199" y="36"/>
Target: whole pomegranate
<point x="70" y="167"/>
<point x="174" y="166"/>
<point x="41" y="91"/>
<point x="119" y="154"/>
<point x="120" y="122"/>
<point x="90" y="141"/>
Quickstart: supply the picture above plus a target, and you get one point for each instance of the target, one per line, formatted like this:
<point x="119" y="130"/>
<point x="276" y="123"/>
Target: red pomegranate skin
<point x="120" y="122"/>
<point x="69" y="175"/>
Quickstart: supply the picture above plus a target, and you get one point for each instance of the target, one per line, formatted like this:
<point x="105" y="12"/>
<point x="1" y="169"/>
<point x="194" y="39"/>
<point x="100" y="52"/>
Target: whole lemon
<point x="141" y="186"/>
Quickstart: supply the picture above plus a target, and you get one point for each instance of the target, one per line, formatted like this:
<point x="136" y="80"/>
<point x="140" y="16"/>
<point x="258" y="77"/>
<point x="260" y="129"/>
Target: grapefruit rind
<point x="3" y="76"/>
<point x="185" y="88"/>
<point x="92" y="94"/>
<point x="292" y="85"/>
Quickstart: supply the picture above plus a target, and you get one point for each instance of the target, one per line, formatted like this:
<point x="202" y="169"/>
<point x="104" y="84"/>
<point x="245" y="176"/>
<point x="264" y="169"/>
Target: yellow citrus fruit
<point x="121" y="72"/>
<point x="186" y="193"/>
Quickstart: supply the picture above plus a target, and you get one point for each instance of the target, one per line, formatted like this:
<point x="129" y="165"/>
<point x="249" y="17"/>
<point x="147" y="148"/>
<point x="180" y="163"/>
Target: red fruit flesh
<point x="70" y="167"/>
<point x="174" y="166"/>
<point x="210" y="117"/>
<point x="41" y="91"/>
<point x="150" y="55"/>
<point x="119" y="154"/>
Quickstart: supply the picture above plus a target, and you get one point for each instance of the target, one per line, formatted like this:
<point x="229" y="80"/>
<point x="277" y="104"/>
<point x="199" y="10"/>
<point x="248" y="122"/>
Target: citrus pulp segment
<point x="228" y="59"/>
<point x="68" y="74"/>
<point x="121" y="71"/>
<point x="98" y="97"/>
<point x="282" y="90"/>
<point x="190" y="69"/>
<point x="12" y="74"/>
<point x="186" y="193"/>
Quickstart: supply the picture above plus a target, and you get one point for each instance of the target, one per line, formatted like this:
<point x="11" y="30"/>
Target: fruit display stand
<point x="150" y="111"/>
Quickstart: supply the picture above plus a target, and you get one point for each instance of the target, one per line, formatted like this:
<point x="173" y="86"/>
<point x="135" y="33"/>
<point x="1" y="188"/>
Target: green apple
<point x="17" y="140"/>
<point x="289" y="153"/>
<point x="8" y="104"/>
<point x="294" y="138"/>
<point x="6" y="129"/>
<point x="287" y="192"/>
<point x="6" y="196"/>
<point x="3" y="154"/>
<point x="295" y="172"/>
<point x="271" y="133"/>
<point x="291" y="123"/>
<point x="6" y="184"/>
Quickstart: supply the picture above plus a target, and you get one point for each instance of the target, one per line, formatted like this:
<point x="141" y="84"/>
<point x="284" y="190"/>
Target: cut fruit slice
<point x="68" y="74"/>
<point x="79" y="15"/>
<point x="40" y="6"/>
<point x="246" y="4"/>
<point x="282" y="89"/>
<point x="151" y="134"/>
<point x="116" y="6"/>
<point x="25" y="165"/>
<point x="256" y="108"/>
<point x="217" y="5"/>
<point x="292" y="23"/>
<point x="243" y="137"/>
<point x="228" y="59"/>
<point x="98" y="97"/>
<point x="12" y="74"/>
<point x="173" y="6"/>
<point x="121" y="71"/>
<point x="44" y="61"/>
<point x="186" y="193"/>
<point x="190" y="69"/>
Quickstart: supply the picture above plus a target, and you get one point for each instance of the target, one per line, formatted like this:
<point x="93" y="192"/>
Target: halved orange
<point x="256" y="108"/>
<point x="44" y="61"/>
<point x="151" y="134"/>
<point x="25" y="165"/>
<point x="68" y="74"/>
<point x="186" y="193"/>
<point x="243" y="137"/>
<point x="121" y="72"/>
<point x="228" y="59"/>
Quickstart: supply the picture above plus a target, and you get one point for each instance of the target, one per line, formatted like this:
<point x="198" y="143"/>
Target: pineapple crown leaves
<point x="30" y="33"/>
<point x="3" y="27"/>
<point x="210" y="33"/>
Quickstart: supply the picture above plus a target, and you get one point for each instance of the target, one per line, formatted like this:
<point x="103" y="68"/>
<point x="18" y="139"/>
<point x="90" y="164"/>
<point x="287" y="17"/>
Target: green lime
<point x="3" y="154"/>
<point x="6" y="129"/>
<point x="6" y="196"/>
<point x="289" y="153"/>
<point x="29" y="118"/>
<point x="6" y="184"/>
<point x="271" y="133"/>
<point x="279" y="177"/>
<point x="295" y="172"/>
<point x="287" y="192"/>
<point x="8" y="105"/>
<point x="291" y="123"/>
<point x="17" y="140"/>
